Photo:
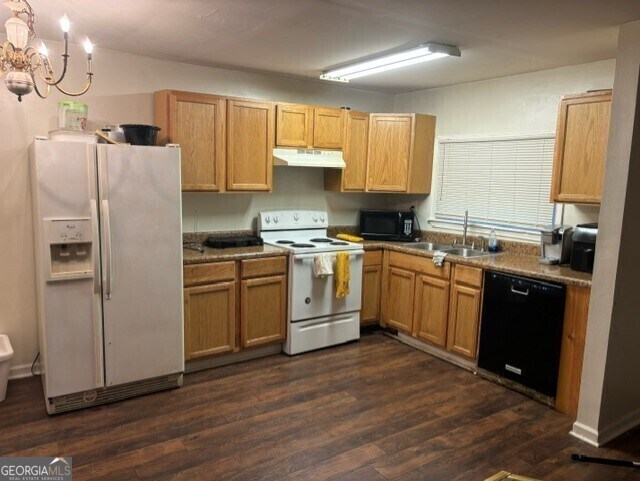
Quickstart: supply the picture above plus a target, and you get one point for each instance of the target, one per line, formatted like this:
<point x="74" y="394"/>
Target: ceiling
<point x="301" y="38"/>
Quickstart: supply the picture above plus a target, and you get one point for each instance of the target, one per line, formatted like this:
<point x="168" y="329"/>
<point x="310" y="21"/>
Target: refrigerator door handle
<point x="107" y="248"/>
<point x="95" y="250"/>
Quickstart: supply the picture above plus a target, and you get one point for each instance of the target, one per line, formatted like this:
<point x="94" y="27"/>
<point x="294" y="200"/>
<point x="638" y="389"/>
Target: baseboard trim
<point x="469" y="365"/>
<point x="600" y="437"/>
<point x="232" y="358"/>
<point x="585" y="433"/>
<point x="19" y="372"/>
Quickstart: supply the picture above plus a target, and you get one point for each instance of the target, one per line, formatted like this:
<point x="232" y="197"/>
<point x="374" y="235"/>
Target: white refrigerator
<point x="108" y="239"/>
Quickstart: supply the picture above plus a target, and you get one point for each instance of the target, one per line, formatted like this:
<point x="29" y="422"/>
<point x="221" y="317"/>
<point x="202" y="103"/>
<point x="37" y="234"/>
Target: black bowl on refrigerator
<point x="139" y="134"/>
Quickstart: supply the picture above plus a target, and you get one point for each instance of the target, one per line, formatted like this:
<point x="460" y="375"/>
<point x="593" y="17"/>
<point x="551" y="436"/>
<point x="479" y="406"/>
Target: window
<point x="501" y="181"/>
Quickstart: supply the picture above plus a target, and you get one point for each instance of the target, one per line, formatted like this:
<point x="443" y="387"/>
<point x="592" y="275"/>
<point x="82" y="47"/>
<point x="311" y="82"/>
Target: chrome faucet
<point x="464" y="228"/>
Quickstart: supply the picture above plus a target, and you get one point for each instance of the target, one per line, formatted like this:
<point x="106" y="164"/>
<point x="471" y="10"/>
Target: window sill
<point x="452" y="226"/>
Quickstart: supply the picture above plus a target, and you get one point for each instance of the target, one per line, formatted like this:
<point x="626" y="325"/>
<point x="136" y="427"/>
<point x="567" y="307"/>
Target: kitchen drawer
<point x="423" y="265"/>
<point x="268" y="266"/>
<point x="471" y="276"/>
<point x="209" y="273"/>
<point x="372" y="258"/>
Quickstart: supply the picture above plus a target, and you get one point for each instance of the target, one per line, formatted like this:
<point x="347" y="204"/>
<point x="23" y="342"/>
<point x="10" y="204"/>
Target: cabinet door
<point x="250" y="142"/>
<point x="294" y="126"/>
<point x="576" y="313"/>
<point x="209" y="320"/>
<point x="400" y="290"/>
<point x="263" y="311"/>
<point x="581" y="148"/>
<point x="389" y="152"/>
<point x="464" y="317"/>
<point x="431" y="310"/>
<point x="356" y="137"/>
<point x="197" y="124"/>
<point x="371" y="279"/>
<point x="328" y="128"/>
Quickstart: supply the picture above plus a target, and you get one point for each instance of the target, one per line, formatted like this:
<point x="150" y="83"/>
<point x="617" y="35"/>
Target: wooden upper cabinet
<point x="353" y="178"/>
<point x="328" y="128"/>
<point x="294" y="127"/>
<point x="250" y="143"/>
<point x="400" y="153"/>
<point x="197" y="123"/>
<point x="581" y="148"/>
<point x="309" y="127"/>
<point x="389" y="152"/>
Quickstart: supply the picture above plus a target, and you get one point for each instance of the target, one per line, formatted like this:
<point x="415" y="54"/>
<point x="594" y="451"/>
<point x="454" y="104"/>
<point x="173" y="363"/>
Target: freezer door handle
<point x="95" y="251"/>
<point x="108" y="255"/>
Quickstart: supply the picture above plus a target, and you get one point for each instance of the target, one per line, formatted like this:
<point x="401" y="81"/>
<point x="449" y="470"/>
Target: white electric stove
<point x="316" y="318"/>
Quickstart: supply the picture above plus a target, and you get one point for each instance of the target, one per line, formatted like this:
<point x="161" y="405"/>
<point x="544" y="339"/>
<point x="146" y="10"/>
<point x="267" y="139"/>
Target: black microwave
<point x="391" y="225"/>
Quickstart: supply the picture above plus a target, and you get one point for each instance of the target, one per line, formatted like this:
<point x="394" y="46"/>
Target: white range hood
<point x="308" y="158"/>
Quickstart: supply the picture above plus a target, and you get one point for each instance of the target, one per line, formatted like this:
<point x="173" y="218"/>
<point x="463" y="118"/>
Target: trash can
<point x="6" y="353"/>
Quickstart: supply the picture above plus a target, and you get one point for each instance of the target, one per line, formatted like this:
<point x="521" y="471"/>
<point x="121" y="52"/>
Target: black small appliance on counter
<point x="236" y="241"/>
<point x="390" y="225"/>
<point x="584" y="247"/>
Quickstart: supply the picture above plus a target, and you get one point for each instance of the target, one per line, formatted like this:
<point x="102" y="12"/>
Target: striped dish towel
<point x="438" y="258"/>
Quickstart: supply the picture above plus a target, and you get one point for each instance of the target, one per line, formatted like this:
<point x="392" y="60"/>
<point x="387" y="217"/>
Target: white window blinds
<point x="500" y="181"/>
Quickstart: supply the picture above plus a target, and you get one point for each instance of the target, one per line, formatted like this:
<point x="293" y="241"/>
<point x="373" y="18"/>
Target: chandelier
<point x="23" y="63"/>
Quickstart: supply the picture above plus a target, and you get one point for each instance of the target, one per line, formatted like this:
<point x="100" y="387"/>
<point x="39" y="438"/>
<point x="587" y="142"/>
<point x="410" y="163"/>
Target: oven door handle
<point x="311" y="256"/>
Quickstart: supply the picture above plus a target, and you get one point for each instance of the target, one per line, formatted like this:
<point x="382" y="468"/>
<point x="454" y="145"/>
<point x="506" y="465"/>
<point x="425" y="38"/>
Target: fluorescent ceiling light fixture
<point x="422" y="53"/>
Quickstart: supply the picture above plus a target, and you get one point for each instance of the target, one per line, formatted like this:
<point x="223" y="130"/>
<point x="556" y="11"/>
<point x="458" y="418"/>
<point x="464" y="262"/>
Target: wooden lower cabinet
<point x="464" y="320"/>
<point x="431" y="310"/>
<point x="421" y="300"/>
<point x="210" y="320"/>
<point x="371" y="287"/>
<point x="232" y="305"/>
<point x="263" y="311"/>
<point x="371" y="279"/>
<point x="399" y="292"/>
<point x="576" y="313"/>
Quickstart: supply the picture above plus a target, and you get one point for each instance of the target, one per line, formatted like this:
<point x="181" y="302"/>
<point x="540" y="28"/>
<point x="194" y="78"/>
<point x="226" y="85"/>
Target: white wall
<point x="520" y="104"/>
<point x="610" y="388"/>
<point x="122" y="93"/>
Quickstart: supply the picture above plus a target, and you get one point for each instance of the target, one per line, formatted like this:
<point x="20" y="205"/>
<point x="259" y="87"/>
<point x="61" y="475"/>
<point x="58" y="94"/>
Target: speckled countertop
<point x="519" y="259"/>
<point x="518" y="264"/>
<point x="231" y="254"/>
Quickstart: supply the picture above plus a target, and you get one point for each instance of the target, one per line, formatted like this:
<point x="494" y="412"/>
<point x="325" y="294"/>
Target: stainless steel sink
<point x="465" y="252"/>
<point x="430" y="246"/>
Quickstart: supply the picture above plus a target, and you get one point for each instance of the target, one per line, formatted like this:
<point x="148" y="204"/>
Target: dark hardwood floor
<point x="367" y="411"/>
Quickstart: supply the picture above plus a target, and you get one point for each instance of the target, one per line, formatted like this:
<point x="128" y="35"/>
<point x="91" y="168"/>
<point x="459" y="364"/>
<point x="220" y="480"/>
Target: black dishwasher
<point x="521" y="330"/>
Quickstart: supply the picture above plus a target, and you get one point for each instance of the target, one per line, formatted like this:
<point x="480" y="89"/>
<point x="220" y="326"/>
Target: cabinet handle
<point x="522" y="293"/>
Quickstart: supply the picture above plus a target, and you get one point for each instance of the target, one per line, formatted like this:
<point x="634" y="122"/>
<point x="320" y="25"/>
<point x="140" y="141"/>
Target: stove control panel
<point x="292" y="219"/>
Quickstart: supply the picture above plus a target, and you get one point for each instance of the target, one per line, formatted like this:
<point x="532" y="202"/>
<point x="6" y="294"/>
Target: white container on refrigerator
<point x="107" y="223"/>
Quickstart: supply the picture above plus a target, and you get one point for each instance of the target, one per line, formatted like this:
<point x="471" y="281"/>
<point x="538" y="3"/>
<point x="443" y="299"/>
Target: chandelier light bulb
<point x="65" y="24"/>
<point x="43" y="50"/>
<point x="88" y="46"/>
